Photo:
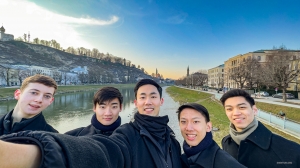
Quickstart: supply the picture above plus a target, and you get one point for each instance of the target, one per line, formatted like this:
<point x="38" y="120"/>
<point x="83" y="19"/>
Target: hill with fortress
<point x="14" y="53"/>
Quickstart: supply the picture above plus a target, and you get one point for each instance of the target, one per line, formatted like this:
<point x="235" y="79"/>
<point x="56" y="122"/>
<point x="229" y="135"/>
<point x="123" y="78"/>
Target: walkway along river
<point x="73" y="110"/>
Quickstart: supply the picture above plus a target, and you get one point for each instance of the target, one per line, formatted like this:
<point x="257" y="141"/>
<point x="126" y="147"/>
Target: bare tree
<point x="36" y="41"/>
<point x="25" y="37"/>
<point x="37" y="71"/>
<point x="199" y="79"/>
<point x="95" y="52"/>
<point x="5" y="73"/>
<point x="279" y="71"/>
<point x="239" y="74"/>
<point x="57" y="76"/>
<point x="71" y="50"/>
<point x="22" y="74"/>
<point x="253" y="71"/>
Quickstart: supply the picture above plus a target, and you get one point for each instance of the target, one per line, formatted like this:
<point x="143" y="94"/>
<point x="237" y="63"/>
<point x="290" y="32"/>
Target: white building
<point x="5" y="37"/>
<point x="80" y="70"/>
<point x="216" y="76"/>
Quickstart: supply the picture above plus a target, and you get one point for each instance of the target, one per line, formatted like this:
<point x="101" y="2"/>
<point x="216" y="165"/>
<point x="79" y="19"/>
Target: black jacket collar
<point x="206" y="159"/>
<point x="261" y="136"/>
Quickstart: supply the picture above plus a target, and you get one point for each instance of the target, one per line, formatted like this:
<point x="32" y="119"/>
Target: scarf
<point x="156" y="126"/>
<point x="192" y="150"/>
<point x="105" y="128"/>
<point x="239" y="136"/>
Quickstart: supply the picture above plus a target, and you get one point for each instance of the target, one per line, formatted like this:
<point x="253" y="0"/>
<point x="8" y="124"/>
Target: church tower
<point x="2" y="31"/>
<point x="188" y="71"/>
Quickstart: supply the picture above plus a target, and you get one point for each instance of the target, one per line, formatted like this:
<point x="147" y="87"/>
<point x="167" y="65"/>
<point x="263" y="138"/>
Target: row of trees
<point x="198" y="78"/>
<point x="94" y="53"/>
<point x="280" y="68"/>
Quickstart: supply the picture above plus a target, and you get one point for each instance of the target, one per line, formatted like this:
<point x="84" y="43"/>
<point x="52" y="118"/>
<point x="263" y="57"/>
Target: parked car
<point x="262" y="93"/>
<point x="280" y="95"/>
<point x="219" y="89"/>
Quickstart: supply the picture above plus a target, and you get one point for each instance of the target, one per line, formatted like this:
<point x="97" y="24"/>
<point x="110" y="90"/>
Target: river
<point x="73" y="110"/>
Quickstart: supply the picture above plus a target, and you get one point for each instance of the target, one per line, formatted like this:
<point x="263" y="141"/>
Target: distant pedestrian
<point x="249" y="141"/>
<point x="282" y="114"/>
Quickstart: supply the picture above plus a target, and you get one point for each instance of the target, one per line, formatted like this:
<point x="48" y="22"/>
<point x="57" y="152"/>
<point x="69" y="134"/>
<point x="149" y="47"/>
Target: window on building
<point x="258" y="58"/>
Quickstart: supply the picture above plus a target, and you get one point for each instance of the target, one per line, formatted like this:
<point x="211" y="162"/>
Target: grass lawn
<point x="216" y="111"/>
<point x="290" y="112"/>
<point x="7" y="92"/>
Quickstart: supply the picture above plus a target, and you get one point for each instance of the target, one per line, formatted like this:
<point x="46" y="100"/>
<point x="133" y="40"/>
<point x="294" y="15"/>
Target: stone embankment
<point x="59" y="92"/>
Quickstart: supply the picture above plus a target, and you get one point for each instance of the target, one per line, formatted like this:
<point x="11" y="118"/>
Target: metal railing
<point x="281" y="122"/>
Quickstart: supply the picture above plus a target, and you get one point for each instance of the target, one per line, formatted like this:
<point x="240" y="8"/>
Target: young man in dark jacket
<point x="35" y="94"/>
<point x="107" y="106"/>
<point x="200" y="150"/>
<point x="249" y="141"/>
<point x="146" y="142"/>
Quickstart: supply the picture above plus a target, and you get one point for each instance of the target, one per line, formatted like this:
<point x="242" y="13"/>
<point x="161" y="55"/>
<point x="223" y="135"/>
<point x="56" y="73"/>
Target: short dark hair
<point x="107" y="94"/>
<point x="38" y="78"/>
<point x="143" y="82"/>
<point x="201" y="109"/>
<point x="237" y="93"/>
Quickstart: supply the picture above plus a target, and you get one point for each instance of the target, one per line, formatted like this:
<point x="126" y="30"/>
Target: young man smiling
<point x="35" y="94"/>
<point x="107" y="106"/>
<point x="146" y="142"/>
<point x="200" y="150"/>
<point x="249" y="141"/>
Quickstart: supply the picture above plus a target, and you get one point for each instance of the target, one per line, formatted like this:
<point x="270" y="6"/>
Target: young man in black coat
<point x="35" y="94"/>
<point x="200" y="150"/>
<point x="249" y="141"/>
<point x="107" y="106"/>
<point x="146" y="142"/>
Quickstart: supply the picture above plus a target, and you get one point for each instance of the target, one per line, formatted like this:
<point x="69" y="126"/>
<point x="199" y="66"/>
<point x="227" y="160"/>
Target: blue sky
<point x="162" y="34"/>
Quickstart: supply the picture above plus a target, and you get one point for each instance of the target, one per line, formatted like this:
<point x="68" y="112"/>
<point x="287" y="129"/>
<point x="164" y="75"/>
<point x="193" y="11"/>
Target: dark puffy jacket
<point x="129" y="146"/>
<point x="211" y="157"/>
<point x="86" y="131"/>
<point x="141" y="145"/>
<point x="65" y="151"/>
<point x="264" y="149"/>
<point x="36" y="123"/>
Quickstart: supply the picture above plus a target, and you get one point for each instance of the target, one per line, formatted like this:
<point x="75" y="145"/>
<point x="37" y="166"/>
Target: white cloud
<point x="19" y="17"/>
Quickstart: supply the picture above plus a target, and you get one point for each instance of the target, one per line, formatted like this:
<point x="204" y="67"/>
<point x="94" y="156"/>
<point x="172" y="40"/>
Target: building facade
<point x="5" y="37"/>
<point x="261" y="56"/>
<point x="235" y="61"/>
<point x="216" y="77"/>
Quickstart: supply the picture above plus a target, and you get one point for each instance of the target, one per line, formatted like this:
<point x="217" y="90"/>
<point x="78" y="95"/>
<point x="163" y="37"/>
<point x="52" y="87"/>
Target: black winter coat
<point x="129" y="146"/>
<point x="263" y="149"/>
<point x="86" y="131"/>
<point x="36" y="123"/>
<point x="211" y="157"/>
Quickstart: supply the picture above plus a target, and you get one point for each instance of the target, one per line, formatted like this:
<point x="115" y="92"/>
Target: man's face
<point x="148" y="100"/>
<point x="193" y="126"/>
<point x="108" y="111"/>
<point x="239" y="112"/>
<point x="33" y="99"/>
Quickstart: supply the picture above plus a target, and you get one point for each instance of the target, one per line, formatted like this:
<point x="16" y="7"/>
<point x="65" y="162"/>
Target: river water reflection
<point x="73" y="110"/>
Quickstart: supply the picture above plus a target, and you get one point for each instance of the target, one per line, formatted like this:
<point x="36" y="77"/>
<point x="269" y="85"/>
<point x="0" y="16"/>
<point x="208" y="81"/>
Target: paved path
<point x="169" y="108"/>
<point x="290" y="102"/>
